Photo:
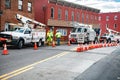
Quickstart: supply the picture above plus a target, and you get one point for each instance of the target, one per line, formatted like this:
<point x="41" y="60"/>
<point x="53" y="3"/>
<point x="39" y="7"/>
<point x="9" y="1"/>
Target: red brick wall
<point x="44" y="15"/>
<point x="9" y="14"/>
<point x="111" y="21"/>
<point x="40" y="10"/>
<point x="75" y="10"/>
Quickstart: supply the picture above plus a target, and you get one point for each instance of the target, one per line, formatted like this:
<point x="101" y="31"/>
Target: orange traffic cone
<point x="86" y="48"/>
<point x="68" y="43"/>
<point x="78" y="48"/>
<point x="5" y="51"/>
<point x="53" y="44"/>
<point x="35" y="46"/>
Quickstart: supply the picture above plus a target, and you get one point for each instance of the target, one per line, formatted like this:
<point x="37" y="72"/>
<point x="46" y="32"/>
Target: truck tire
<point x="20" y="44"/>
<point x="109" y="40"/>
<point x="39" y="43"/>
<point x="118" y="41"/>
<point x="95" y="40"/>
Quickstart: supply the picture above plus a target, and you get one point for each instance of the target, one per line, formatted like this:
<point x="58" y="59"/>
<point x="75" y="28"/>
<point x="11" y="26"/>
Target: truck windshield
<point x="19" y="30"/>
<point x="77" y="30"/>
<point x="105" y="34"/>
<point x="74" y="29"/>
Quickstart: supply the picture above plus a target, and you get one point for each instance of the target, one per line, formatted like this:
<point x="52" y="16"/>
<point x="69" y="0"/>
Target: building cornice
<point x="73" y="5"/>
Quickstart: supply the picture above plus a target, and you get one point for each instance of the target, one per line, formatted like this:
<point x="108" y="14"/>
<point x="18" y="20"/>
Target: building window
<point x="29" y="7"/>
<point x="107" y="18"/>
<point x="66" y="15"/>
<point x="72" y="16"/>
<point x="82" y="18"/>
<point x="7" y="3"/>
<point x="20" y="5"/>
<point x="63" y="31"/>
<point x="115" y="17"/>
<point x="99" y="18"/>
<point x="78" y="16"/>
<point x="52" y="13"/>
<point x="87" y="18"/>
<point x="91" y="17"/>
<point x="59" y="13"/>
<point x="115" y="25"/>
<point x="107" y="26"/>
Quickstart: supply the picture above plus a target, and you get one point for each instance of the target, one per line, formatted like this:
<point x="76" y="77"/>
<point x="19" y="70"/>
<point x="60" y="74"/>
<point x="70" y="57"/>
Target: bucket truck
<point x="111" y="36"/>
<point x="82" y="33"/>
<point x="31" y="31"/>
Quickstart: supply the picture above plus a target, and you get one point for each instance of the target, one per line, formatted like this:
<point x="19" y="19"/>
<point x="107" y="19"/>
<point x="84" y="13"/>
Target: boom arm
<point x="26" y="20"/>
<point x="110" y="30"/>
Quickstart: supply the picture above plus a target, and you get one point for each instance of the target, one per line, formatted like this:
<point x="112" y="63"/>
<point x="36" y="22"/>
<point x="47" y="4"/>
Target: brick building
<point x="9" y="9"/>
<point x="110" y="20"/>
<point x="59" y="14"/>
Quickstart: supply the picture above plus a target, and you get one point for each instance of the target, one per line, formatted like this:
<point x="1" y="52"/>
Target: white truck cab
<point x="111" y="36"/>
<point x="107" y="37"/>
<point x="82" y="34"/>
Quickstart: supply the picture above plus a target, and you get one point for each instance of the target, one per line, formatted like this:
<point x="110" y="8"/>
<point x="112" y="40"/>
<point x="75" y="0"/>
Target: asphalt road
<point x="105" y="69"/>
<point x="60" y="63"/>
<point x="18" y="58"/>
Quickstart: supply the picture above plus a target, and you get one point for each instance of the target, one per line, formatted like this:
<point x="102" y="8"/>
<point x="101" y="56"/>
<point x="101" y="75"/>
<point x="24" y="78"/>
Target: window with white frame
<point x="66" y="15"/>
<point x="107" y="26"/>
<point x="7" y="3"/>
<point x="52" y="13"/>
<point x="91" y="17"/>
<point x="59" y="13"/>
<point x="29" y="7"/>
<point x="82" y="17"/>
<point x="63" y="31"/>
<point x="87" y="18"/>
<point x="95" y="17"/>
<point x="20" y="4"/>
<point x="115" y="25"/>
<point x="115" y="17"/>
<point x="78" y="16"/>
<point x="99" y="18"/>
<point x="72" y="16"/>
<point x="107" y="18"/>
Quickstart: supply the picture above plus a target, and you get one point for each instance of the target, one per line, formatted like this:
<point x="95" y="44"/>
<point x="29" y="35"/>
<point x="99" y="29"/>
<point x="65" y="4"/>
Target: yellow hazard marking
<point x="29" y="67"/>
<point x="14" y="71"/>
<point x="15" y="74"/>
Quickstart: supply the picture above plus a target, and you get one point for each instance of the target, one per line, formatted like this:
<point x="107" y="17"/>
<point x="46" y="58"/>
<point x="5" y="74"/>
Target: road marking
<point x="15" y="74"/>
<point x="29" y="67"/>
<point x="14" y="71"/>
<point x="58" y="55"/>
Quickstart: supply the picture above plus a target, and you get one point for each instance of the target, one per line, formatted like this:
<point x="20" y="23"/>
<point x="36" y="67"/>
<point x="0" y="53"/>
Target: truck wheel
<point x="96" y="40"/>
<point x="118" y="41"/>
<point x="20" y="44"/>
<point x="39" y="43"/>
<point x="109" y="41"/>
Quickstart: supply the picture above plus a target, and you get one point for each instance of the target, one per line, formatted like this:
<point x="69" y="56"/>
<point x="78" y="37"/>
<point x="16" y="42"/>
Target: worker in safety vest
<point x="49" y="37"/>
<point x="58" y="36"/>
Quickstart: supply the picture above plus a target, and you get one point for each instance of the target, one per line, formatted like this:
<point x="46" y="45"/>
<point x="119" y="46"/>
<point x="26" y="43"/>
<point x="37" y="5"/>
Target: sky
<point x="104" y="5"/>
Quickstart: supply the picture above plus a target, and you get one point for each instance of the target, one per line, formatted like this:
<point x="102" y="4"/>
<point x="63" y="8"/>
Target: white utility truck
<point x="82" y="33"/>
<point x="111" y="36"/>
<point x="25" y="34"/>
